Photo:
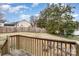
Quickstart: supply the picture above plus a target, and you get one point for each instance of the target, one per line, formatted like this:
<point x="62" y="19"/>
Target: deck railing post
<point x="4" y="48"/>
<point x="77" y="48"/>
<point x="17" y="42"/>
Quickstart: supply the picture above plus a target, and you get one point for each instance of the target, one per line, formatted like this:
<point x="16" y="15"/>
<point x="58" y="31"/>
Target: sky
<point x="75" y="10"/>
<point x="18" y="11"/>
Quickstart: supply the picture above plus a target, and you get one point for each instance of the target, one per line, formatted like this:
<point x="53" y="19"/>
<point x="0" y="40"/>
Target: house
<point x="2" y="23"/>
<point x="22" y="23"/>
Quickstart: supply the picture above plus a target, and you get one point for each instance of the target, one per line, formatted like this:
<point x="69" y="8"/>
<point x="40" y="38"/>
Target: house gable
<point x="23" y="23"/>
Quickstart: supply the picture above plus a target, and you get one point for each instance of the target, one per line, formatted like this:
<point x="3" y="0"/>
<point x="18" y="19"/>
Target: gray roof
<point x="10" y="24"/>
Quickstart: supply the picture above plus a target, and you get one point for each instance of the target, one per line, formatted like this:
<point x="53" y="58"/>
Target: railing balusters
<point x="61" y="48"/>
<point x="27" y="44"/>
<point x="47" y="48"/>
<point x="11" y="42"/>
<point x="50" y="48"/>
<point x="45" y="52"/>
<point x="31" y="45"/>
<point x="43" y="47"/>
<point x="53" y="48"/>
<point x="51" y="52"/>
<point x="57" y="48"/>
<point x="48" y="44"/>
<point x="65" y="49"/>
<point x="35" y="46"/>
<point x="40" y="48"/>
<point x="15" y="42"/>
<point x="70" y="49"/>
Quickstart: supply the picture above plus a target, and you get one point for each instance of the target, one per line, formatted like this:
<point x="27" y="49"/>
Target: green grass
<point x="74" y="37"/>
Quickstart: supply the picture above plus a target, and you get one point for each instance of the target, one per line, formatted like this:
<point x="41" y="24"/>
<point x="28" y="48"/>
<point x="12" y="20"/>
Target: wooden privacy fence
<point x="10" y="29"/>
<point x="42" y="46"/>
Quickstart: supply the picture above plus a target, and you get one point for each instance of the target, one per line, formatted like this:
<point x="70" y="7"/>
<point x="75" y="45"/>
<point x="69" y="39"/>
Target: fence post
<point x="77" y="48"/>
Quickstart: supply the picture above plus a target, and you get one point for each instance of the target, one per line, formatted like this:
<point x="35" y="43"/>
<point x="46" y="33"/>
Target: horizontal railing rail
<point x="51" y="39"/>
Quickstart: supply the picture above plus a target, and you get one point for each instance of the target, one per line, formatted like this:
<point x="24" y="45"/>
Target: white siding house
<point x="1" y="24"/>
<point x="23" y="23"/>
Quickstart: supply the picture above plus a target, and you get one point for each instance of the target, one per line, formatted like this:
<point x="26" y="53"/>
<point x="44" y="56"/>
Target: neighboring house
<point x="20" y="26"/>
<point x="2" y="23"/>
<point x="22" y="23"/>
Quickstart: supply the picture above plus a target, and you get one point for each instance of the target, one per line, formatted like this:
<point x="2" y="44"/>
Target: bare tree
<point x="33" y="20"/>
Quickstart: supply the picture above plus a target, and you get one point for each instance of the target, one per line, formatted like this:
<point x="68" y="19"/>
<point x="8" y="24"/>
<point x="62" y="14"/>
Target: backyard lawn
<point x="74" y="38"/>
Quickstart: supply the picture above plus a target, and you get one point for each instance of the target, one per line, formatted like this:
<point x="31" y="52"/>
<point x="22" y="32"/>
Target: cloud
<point x="50" y="3"/>
<point x="18" y="8"/>
<point x="24" y="16"/>
<point x="35" y="4"/>
<point x="74" y="19"/>
<point x="75" y="15"/>
<point x="36" y="14"/>
<point x="5" y="7"/>
<point x="3" y="12"/>
<point x="11" y="9"/>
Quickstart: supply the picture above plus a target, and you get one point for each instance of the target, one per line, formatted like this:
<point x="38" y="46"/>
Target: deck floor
<point x="17" y="52"/>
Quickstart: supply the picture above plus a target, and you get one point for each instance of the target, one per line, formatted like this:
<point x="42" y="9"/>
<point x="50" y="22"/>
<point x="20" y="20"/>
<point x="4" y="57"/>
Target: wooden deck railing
<point x="42" y="46"/>
<point x="4" y="48"/>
